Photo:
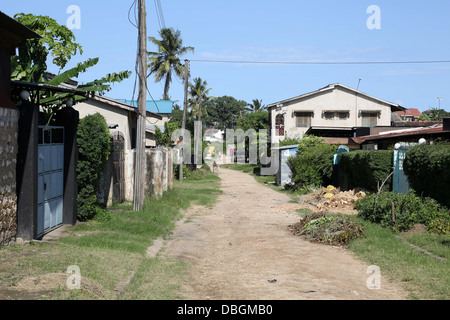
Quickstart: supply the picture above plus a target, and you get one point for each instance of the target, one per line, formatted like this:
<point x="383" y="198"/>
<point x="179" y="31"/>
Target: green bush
<point x="409" y="209"/>
<point x="366" y="169"/>
<point x="314" y="163"/>
<point x="94" y="148"/>
<point x="428" y="171"/>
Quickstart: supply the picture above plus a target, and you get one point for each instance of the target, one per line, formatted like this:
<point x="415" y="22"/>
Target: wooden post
<point x="183" y="125"/>
<point x="139" y="174"/>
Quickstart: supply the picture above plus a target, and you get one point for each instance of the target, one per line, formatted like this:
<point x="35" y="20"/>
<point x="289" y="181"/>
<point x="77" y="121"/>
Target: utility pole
<point x="138" y="196"/>
<point x="183" y="125"/>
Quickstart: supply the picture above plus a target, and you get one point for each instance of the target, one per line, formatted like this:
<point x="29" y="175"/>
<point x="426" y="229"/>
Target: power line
<point x="159" y="14"/>
<point x="321" y="62"/>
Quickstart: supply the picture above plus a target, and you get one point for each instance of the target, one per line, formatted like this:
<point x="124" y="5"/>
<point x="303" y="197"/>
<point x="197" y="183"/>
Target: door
<point x="50" y="179"/>
<point x="118" y="158"/>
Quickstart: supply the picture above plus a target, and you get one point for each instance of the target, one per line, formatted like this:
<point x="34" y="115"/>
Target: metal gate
<point x="118" y="158"/>
<point x="50" y="179"/>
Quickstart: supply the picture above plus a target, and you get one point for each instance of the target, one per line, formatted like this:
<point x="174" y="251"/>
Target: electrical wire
<point x="323" y="62"/>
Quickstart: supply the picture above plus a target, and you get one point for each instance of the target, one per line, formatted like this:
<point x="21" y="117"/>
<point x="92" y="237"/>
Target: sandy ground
<point x="242" y="249"/>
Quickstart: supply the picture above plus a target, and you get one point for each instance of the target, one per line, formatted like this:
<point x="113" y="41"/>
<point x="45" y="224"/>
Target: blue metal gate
<point x="50" y="179"/>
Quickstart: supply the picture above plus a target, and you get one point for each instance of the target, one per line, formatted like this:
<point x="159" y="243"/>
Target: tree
<point x="198" y="96"/>
<point x="30" y="64"/>
<point x="166" y="60"/>
<point x="435" y="114"/>
<point x="256" y="106"/>
<point x="224" y="112"/>
<point x="57" y="40"/>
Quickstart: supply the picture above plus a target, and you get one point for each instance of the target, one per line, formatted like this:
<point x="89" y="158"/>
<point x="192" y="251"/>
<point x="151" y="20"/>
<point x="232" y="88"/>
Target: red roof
<point x="410" y="112"/>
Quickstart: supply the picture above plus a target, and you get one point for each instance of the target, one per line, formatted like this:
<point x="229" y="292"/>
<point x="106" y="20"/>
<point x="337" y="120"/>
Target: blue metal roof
<point x="156" y="106"/>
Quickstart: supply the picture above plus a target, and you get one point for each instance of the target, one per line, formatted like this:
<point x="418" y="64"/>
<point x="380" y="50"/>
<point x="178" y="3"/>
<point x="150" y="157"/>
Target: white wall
<point x="338" y="99"/>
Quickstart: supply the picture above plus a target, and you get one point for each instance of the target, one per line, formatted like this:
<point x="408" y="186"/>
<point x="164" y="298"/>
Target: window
<point x="369" y="119"/>
<point x="303" y="119"/>
<point x="329" y="115"/>
<point x="279" y="125"/>
<point x="343" y="115"/>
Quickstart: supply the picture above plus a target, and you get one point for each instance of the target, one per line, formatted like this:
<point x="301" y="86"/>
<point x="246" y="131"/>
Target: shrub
<point x="314" y="163"/>
<point x="409" y="209"/>
<point x="94" y="144"/>
<point x="365" y="169"/>
<point x="428" y="171"/>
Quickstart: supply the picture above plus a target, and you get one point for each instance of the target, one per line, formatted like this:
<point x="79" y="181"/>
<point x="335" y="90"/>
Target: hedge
<point x="365" y="169"/>
<point x="94" y="147"/>
<point x="409" y="209"/>
<point x="428" y="171"/>
<point x="313" y="165"/>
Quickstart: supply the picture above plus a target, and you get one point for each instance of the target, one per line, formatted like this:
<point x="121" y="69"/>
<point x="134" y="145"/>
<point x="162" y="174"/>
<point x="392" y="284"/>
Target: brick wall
<point x="8" y="153"/>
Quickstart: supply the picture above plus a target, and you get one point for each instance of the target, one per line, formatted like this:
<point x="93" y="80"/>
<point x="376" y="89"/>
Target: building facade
<point x="336" y="109"/>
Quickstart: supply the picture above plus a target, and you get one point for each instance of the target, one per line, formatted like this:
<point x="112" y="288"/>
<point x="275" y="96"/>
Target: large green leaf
<point x="73" y="72"/>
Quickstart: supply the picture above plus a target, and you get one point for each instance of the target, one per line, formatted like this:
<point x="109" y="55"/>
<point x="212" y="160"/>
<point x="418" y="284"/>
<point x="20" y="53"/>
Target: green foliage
<point x="290" y="142"/>
<point x="56" y="40"/>
<point x="30" y="64"/>
<point x="428" y="171"/>
<point x="94" y="147"/>
<point x="329" y="228"/>
<point x="256" y="121"/>
<point x="409" y="209"/>
<point x="314" y="163"/>
<point x="365" y="169"/>
<point x="165" y="138"/>
<point x="166" y="61"/>
<point x="223" y="112"/>
<point x="435" y="114"/>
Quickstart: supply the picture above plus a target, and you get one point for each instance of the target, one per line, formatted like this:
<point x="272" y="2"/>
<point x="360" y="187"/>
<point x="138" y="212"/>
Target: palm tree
<point x="257" y="106"/>
<point x="198" y="96"/>
<point x="166" y="60"/>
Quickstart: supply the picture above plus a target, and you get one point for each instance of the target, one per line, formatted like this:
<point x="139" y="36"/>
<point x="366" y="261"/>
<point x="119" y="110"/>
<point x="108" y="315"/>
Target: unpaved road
<point x="243" y="249"/>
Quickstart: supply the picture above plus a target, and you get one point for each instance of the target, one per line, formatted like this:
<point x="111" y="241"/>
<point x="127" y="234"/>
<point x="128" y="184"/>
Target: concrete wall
<point x="338" y="99"/>
<point x="159" y="172"/>
<point x="8" y="158"/>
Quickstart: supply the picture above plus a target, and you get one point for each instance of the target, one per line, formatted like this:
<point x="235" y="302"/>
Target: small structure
<point x="409" y="115"/>
<point x="283" y="175"/>
<point x="387" y="139"/>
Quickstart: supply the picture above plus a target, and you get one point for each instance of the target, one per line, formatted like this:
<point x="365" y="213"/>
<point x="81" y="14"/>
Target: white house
<point x="335" y="111"/>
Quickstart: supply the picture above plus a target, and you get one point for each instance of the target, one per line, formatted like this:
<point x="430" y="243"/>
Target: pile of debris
<point x="332" y="199"/>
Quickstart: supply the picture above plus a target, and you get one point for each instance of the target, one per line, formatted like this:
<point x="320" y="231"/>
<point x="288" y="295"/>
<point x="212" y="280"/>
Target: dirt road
<point x="242" y="249"/>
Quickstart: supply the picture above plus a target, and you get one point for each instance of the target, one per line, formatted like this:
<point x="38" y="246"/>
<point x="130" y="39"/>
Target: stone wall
<point x="8" y="158"/>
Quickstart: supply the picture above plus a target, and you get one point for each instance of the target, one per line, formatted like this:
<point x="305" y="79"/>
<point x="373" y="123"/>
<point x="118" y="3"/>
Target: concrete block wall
<point x="158" y="168"/>
<point x="8" y="159"/>
<point x="159" y="171"/>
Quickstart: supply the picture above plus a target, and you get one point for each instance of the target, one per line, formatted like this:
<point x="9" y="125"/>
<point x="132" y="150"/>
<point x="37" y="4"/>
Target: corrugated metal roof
<point x="409" y="133"/>
<point x="157" y="106"/>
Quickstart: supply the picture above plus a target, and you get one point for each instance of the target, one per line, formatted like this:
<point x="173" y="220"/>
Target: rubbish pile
<point x="332" y="199"/>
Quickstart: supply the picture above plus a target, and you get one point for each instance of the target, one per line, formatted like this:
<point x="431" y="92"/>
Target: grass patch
<point x="423" y="276"/>
<point x="111" y="247"/>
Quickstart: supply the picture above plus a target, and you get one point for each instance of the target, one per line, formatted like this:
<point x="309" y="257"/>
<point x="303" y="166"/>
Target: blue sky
<point x="285" y="30"/>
